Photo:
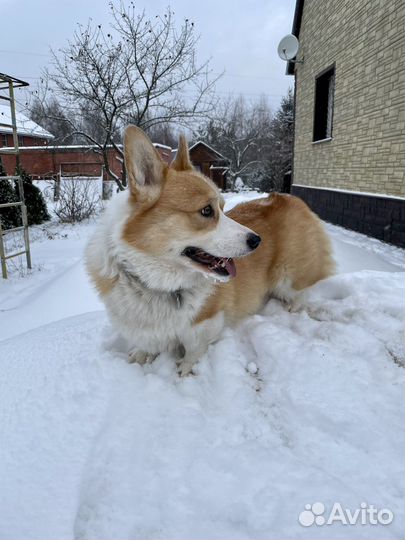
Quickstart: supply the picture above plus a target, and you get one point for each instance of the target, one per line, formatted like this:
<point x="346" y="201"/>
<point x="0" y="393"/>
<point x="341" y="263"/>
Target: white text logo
<point x="367" y="514"/>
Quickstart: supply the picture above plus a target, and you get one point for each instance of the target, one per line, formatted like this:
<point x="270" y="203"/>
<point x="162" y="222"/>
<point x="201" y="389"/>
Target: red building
<point x="50" y="162"/>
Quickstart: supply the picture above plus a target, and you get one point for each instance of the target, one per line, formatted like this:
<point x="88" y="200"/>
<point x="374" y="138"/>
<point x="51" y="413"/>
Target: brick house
<point x="349" y="146"/>
<point x="29" y="133"/>
<point x="49" y="162"/>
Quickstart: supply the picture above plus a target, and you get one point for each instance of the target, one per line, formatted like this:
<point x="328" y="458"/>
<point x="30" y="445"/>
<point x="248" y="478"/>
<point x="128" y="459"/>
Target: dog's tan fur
<point x="294" y="249"/>
<point x="183" y="195"/>
<point x="104" y="285"/>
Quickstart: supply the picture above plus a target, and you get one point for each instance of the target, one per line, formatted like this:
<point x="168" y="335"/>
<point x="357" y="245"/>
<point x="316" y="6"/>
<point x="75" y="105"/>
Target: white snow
<point x="289" y="408"/>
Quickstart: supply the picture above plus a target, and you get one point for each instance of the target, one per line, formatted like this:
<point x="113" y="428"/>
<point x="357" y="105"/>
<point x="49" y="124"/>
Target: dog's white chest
<point x="154" y="320"/>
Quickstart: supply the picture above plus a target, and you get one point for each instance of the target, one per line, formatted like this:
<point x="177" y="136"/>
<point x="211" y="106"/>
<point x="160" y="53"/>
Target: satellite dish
<point x="288" y="47"/>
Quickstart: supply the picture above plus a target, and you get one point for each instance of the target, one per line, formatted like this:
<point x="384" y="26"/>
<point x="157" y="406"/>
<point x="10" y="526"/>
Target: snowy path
<point x="91" y="447"/>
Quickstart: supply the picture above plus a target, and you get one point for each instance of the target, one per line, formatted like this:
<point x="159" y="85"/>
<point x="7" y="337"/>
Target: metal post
<point x="56" y="192"/>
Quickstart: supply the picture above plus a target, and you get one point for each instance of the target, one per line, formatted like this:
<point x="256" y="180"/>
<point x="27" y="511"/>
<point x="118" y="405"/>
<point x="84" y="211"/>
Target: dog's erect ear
<point x="182" y="161"/>
<point x="145" y="168"/>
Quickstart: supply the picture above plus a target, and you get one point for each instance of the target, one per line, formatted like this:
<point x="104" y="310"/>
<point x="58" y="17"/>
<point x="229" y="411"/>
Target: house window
<point x="20" y="140"/>
<point x="3" y="139"/>
<point x="324" y="96"/>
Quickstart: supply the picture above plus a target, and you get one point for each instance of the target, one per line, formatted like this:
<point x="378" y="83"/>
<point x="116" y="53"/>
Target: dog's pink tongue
<point x="230" y="266"/>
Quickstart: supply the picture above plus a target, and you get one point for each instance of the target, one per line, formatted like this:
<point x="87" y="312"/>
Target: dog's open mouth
<point x="223" y="266"/>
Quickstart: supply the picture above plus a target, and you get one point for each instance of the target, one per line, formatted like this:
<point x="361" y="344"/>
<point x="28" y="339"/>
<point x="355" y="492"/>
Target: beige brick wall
<point x="365" y="39"/>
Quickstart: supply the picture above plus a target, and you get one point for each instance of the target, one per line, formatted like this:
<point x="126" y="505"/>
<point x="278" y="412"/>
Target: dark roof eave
<point x="299" y="7"/>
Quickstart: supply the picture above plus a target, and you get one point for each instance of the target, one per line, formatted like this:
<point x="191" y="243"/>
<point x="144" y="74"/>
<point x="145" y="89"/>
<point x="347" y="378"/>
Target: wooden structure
<point x="7" y="84"/>
<point x="210" y="162"/>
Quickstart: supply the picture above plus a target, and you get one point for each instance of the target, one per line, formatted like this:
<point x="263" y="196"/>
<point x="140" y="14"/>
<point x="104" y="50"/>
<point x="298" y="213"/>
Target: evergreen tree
<point x="37" y="212"/>
<point x="10" y="217"/>
<point x="282" y="131"/>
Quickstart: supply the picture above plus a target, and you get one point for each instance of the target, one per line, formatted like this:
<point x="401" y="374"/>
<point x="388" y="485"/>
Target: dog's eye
<point x="207" y="211"/>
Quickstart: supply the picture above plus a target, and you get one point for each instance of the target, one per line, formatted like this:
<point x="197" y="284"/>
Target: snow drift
<point x="286" y="409"/>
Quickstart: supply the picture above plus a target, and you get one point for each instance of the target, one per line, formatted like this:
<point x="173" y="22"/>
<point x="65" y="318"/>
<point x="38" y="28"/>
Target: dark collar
<point x="173" y="297"/>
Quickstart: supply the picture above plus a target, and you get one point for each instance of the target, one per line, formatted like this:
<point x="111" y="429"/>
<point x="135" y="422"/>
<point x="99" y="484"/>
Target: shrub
<point x="79" y="199"/>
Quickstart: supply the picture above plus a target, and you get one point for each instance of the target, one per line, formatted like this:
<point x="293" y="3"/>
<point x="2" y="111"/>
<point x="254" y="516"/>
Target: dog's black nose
<point x="253" y="240"/>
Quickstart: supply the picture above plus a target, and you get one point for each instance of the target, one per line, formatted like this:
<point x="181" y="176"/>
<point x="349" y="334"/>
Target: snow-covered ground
<point x="92" y="447"/>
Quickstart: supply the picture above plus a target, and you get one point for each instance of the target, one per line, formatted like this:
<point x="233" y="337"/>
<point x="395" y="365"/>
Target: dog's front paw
<point x="184" y="368"/>
<point x="140" y="357"/>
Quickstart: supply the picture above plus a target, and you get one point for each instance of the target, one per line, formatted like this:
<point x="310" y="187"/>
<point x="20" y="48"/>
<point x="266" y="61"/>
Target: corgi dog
<point x="172" y="268"/>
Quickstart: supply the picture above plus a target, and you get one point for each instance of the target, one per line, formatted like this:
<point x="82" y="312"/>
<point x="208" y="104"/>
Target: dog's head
<point x="178" y="213"/>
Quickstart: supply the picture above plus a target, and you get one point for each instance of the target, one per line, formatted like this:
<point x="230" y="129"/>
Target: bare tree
<point x="164" y="134"/>
<point x="258" y="143"/>
<point x="241" y="132"/>
<point x="50" y="115"/>
<point x="139" y="70"/>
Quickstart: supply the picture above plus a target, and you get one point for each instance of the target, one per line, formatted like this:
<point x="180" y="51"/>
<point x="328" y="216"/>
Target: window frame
<point x="328" y="136"/>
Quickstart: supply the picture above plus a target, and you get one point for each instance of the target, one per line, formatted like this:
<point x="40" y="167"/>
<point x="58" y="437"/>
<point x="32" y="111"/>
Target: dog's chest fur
<point x="154" y="319"/>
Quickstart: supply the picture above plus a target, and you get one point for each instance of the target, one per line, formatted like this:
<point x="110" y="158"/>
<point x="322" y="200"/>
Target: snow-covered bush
<point x="79" y="199"/>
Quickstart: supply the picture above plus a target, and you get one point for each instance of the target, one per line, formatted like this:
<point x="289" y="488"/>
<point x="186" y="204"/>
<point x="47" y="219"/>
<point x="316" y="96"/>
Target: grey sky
<point x="241" y="36"/>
